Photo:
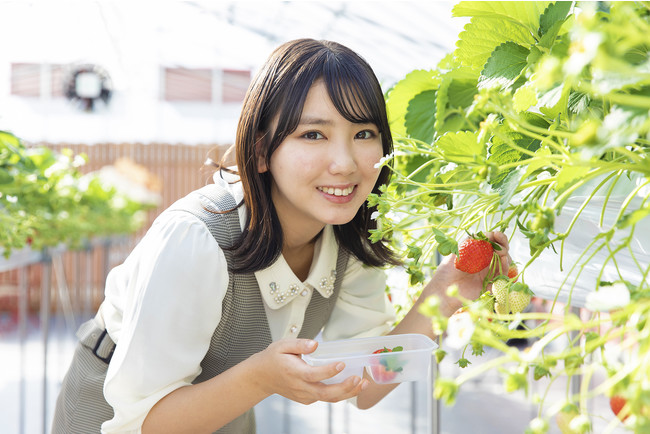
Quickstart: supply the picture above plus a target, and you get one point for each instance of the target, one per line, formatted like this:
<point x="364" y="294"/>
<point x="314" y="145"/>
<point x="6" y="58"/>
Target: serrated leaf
<point x="461" y="147"/>
<point x="401" y="94"/>
<point x="568" y="176"/>
<point x="524" y="98"/>
<point x="502" y="152"/>
<point x="481" y="36"/>
<point x="524" y="14"/>
<point x="555" y="13"/>
<point x="457" y="90"/>
<point x="578" y="102"/>
<point x="420" y="116"/>
<point x="504" y="66"/>
<point x="508" y="187"/>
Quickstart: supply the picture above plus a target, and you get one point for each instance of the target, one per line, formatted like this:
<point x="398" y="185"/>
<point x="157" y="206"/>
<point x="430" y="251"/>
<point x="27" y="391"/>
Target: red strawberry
<point x="474" y="254"/>
<point x="616" y="403"/>
<point x="385" y="370"/>
<point x="512" y="271"/>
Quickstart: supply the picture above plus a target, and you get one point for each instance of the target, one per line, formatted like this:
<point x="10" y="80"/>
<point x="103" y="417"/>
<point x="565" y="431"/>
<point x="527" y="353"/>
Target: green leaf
<point x="508" y="187"/>
<point x="538" y="162"/>
<point x="578" y="102"/>
<point x="461" y="147"/>
<point x="446" y="245"/>
<point x="504" y="66"/>
<point x="503" y="152"/>
<point x="407" y="163"/>
<point x="524" y="14"/>
<point x="524" y="98"/>
<point x="482" y="36"/>
<point x="403" y="92"/>
<point x="555" y="13"/>
<point x="540" y="372"/>
<point x="568" y="176"/>
<point x="554" y="101"/>
<point x="457" y="90"/>
<point x="8" y="139"/>
<point x="420" y="116"/>
<point x="5" y="176"/>
<point x="634" y="217"/>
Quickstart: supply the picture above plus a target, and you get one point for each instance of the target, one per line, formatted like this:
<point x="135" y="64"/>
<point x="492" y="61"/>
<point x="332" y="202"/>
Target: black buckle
<point x="106" y="359"/>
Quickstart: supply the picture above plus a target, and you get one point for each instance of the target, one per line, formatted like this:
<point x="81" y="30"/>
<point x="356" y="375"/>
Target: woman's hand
<point x="280" y="369"/>
<point x="469" y="285"/>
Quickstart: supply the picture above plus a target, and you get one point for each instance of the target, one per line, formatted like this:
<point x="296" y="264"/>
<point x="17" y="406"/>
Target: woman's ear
<point x="259" y="153"/>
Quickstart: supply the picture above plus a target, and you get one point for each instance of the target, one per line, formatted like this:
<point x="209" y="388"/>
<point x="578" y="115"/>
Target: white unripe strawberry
<point x="500" y="291"/>
<point x="518" y="299"/>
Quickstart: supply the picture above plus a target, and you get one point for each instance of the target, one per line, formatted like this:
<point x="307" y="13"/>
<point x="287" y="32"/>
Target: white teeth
<point x="337" y="191"/>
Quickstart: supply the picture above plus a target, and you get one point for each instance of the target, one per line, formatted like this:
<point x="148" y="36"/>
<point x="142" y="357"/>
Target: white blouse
<point x="164" y="302"/>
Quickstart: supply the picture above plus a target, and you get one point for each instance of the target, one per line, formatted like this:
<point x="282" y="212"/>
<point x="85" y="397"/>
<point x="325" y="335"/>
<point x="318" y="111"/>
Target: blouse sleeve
<point x="173" y="282"/>
<point x="362" y="308"/>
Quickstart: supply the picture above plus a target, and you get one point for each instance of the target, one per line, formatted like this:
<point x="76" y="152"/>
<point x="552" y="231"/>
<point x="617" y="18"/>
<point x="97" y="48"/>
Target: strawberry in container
<point x="385" y="369"/>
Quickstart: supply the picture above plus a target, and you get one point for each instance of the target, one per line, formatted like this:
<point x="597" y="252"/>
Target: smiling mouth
<point x="337" y="191"/>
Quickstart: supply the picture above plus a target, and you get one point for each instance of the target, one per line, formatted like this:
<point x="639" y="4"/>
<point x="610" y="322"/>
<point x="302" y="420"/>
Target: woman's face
<point x="323" y="171"/>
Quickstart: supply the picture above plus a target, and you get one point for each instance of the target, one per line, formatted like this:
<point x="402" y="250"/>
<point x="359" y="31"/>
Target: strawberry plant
<point x="538" y="125"/>
<point x="46" y="201"/>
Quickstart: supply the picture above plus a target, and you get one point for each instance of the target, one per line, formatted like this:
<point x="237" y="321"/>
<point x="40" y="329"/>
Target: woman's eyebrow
<point x="308" y="120"/>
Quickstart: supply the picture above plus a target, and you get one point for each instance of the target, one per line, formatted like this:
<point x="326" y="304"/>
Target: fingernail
<point x="356" y="380"/>
<point x="364" y="386"/>
<point x="340" y="366"/>
<point x="310" y="344"/>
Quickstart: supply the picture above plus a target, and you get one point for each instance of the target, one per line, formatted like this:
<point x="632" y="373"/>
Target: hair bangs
<point x="353" y="98"/>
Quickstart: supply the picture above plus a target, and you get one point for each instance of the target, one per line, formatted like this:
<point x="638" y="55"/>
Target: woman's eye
<point x="365" y="134"/>
<point x="313" y="135"/>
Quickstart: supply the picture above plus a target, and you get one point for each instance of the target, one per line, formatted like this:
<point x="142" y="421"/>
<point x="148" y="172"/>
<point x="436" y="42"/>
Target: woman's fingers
<point x="346" y="389"/>
<point x="501" y="239"/>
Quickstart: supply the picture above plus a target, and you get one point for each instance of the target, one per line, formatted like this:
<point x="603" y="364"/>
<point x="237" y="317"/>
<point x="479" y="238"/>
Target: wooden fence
<point x="178" y="167"/>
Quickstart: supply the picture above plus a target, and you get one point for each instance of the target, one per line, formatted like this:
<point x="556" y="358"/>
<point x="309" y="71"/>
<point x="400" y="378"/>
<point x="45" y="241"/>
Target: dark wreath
<point x="88" y="102"/>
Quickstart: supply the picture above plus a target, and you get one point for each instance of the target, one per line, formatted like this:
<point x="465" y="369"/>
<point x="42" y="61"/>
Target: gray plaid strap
<point x="211" y="205"/>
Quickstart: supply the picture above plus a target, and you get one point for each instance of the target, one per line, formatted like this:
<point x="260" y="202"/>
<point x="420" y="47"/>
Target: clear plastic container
<point x="410" y="364"/>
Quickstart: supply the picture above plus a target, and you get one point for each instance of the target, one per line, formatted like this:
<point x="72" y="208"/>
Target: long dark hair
<point x="278" y="91"/>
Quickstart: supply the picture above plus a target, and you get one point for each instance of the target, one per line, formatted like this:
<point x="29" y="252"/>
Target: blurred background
<point x="177" y="71"/>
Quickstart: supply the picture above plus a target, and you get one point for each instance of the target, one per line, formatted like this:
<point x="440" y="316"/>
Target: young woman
<point x="211" y="312"/>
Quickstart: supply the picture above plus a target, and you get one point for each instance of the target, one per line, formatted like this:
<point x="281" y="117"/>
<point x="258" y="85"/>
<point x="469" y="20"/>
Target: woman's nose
<point x="343" y="159"/>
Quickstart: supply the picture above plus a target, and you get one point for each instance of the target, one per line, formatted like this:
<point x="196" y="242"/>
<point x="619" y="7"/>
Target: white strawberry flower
<point x="608" y="298"/>
<point x="383" y="160"/>
<point x="460" y="329"/>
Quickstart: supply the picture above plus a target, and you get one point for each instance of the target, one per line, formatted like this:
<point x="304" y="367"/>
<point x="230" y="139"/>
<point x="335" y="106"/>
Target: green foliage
<point x="540" y="102"/>
<point x="45" y="201"/>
